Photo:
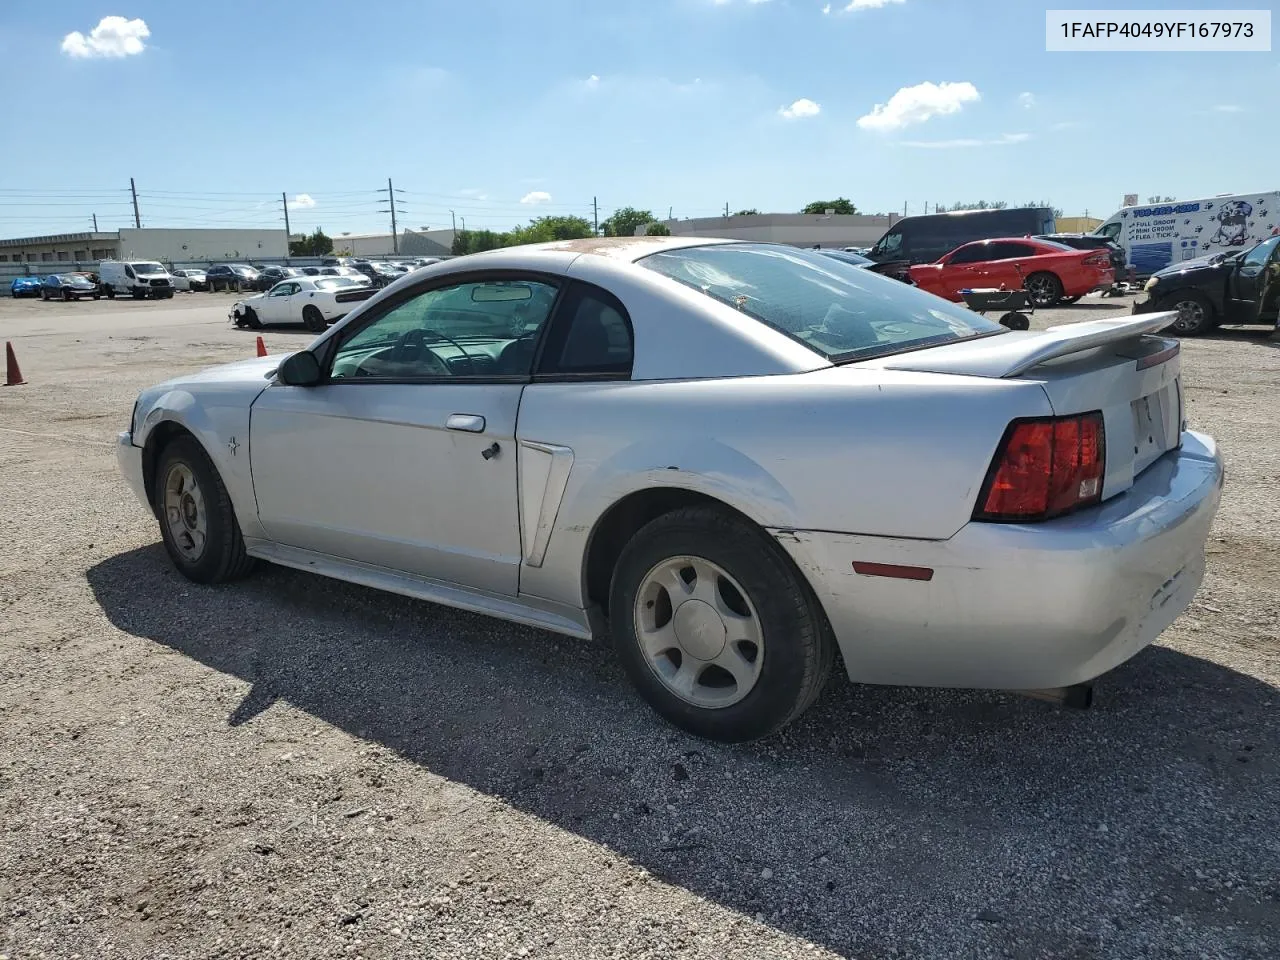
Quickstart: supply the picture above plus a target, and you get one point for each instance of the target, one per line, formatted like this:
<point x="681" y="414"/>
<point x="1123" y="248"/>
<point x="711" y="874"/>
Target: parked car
<point x="140" y="279"/>
<point x="419" y="262"/>
<point x="190" y="279"/>
<point x="24" y="287"/>
<point x="231" y="276"/>
<point x="268" y="277"/>
<point x="1047" y="271"/>
<point x="1091" y="241"/>
<point x="315" y="303"/>
<point x="1224" y="288"/>
<point x="894" y="270"/>
<point x="924" y="239"/>
<point x="1155" y="236"/>
<point x="729" y="457"/>
<point x="68" y="286"/>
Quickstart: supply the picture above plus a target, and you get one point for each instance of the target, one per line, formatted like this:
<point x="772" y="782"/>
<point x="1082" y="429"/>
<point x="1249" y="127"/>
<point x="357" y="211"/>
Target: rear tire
<point x="1195" y="312"/>
<point x="1062" y="301"/>
<point x="313" y="318"/>
<point x="743" y="586"/>
<point x="1045" y="289"/>
<point x="66" y="295"/>
<point x="197" y="520"/>
<point x="111" y="293"/>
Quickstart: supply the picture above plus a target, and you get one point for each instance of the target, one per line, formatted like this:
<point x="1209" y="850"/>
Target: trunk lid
<point x="1113" y="365"/>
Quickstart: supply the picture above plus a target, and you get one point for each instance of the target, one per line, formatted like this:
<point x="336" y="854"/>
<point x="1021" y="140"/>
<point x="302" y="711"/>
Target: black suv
<point x="268" y="277"/>
<point x="231" y="276"/>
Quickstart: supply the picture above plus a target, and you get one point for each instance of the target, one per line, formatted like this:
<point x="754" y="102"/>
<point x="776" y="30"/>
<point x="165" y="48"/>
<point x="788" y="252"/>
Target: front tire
<point x="250" y="319"/>
<point x="715" y="628"/>
<point x="66" y="295"/>
<point x="313" y="318"/>
<point x="1045" y="289"/>
<point x="1195" y="312"/>
<point x="196" y="517"/>
<point x="1063" y="301"/>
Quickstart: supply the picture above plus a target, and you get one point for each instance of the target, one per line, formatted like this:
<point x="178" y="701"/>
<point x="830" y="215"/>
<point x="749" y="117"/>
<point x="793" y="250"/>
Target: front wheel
<point x="313" y="318"/>
<point x="66" y="295"/>
<point x="1195" y="312"/>
<point x="111" y="293"/>
<point x="197" y="521"/>
<point x="250" y="319"/>
<point x="1045" y="289"/>
<point x="1062" y="301"/>
<point x="715" y="627"/>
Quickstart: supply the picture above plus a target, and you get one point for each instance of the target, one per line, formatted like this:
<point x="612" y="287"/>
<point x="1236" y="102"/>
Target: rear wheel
<point x="313" y="318"/>
<point x="66" y="294"/>
<point x="111" y="292"/>
<point x="1045" y="289"/>
<point x="197" y="521"/>
<point x="715" y="627"/>
<point x="1195" y="312"/>
<point x="44" y="295"/>
<point x="1065" y="300"/>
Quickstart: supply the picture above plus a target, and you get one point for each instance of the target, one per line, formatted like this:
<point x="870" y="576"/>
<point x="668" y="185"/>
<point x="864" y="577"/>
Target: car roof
<point x="626" y="249"/>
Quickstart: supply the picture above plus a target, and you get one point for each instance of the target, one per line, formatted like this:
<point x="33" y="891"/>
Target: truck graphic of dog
<point x="1233" y="223"/>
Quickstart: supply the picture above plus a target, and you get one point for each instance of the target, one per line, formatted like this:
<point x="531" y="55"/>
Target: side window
<point x="1259" y="254"/>
<point x="1109" y="230"/>
<point x="1017" y="250"/>
<point x="128" y="271"/>
<point x="481" y="328"/>
<point x="974" y="254"/>
<point x="591" y="337"/>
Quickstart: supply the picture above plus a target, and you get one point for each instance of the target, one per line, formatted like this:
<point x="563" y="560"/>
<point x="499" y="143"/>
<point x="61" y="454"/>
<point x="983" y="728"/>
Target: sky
<point x="496" y="111"/>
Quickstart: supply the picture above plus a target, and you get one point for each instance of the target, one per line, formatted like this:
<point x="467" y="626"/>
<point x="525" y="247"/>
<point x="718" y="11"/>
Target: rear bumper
<point x="1031" y="606"/>
<point x="129" y="460"/>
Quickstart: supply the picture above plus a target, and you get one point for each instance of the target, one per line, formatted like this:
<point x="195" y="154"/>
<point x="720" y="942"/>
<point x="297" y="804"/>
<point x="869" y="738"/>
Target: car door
<point x="963" y="269"/>
<point x="404" y="455"/>
<point x="1253" y="282"/>
<point x="1007" y="264"/>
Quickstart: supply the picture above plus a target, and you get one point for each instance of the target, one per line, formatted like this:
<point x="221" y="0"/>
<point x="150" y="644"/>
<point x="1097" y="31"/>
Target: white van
<point x="136" y="278"/>
<point x="1155" y="235"/>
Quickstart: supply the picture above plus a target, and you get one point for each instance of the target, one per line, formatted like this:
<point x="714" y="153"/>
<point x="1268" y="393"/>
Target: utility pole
<point x="454" y="217"/>
<point x="726" y="209"/>
<point x="391" y="208"/>
<point x="137" y="220"/>
<point x="284" y="199"/>
<point x="669" y="209"/>
<point x="904" y="208"/>
<point x="595" y="215"/>
<point x="95" y="222"/>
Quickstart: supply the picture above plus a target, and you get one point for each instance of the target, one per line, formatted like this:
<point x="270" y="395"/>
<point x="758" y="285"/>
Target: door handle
<point x="470" y="422"/>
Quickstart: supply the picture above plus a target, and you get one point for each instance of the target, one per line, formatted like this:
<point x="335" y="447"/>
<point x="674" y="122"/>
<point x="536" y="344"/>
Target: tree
<point x="544" y="229"/>
<point x="838" y="205"/>
<point x="975" y="205"/>
<point x="1057" y="211"/>
<point x="624" y="221"/>
<point x="656" y="229"/>
<point x="749" y="212"/>
<point x="315" y="245"/>
<point x="1159" y="199"/>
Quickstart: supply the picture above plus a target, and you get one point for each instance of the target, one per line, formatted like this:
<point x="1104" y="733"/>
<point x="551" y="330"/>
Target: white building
<point x="171" y="246"/>
<point x="795" y="229"/>
<point x="412" y="243"/>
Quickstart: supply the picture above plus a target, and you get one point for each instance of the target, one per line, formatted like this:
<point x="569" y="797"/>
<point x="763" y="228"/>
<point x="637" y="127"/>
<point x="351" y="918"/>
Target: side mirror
<point x="300" y="369"/>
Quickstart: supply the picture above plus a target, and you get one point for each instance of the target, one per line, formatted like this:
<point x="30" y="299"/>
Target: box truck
<point x="1156" y="235"/>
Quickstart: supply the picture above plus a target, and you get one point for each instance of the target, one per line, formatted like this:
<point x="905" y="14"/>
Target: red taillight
<point x="1098" y="260"/>
<point x="1045" y="468"/>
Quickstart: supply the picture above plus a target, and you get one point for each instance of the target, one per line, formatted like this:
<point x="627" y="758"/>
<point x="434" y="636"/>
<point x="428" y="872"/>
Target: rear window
<point x="836" y="309"/>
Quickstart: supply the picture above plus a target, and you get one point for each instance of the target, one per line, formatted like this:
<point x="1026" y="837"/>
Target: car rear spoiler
<point x="1013" y="354"/>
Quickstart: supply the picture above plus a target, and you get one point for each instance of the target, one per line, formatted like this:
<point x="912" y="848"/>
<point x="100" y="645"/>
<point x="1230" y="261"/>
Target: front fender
<point x="222" y="429"/>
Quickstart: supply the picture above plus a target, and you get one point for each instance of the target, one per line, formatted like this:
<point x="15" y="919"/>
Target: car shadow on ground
<point x="883" y="813"/>
<point x="1263" y="336"/>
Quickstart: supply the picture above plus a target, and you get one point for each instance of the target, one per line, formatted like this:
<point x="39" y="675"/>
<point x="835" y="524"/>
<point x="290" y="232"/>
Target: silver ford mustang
<point x="731" y="458"/>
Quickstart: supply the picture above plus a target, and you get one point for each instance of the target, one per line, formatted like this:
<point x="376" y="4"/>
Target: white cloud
<point x="1026" y="100"/>
<point x="802" y="108"/>
<point x="536" y="196"/>
<point x="112" y="37"/>
<point x="593" y="81"/>
<point x="304" y="200"/>
<point x="869" y="4"/>
<point x="1002" y="140"/>
<point x="826" y="8"/>
<point x="1066" y="125"/>
<point x="918" y="104"/>
<point x="1228" y="108"/>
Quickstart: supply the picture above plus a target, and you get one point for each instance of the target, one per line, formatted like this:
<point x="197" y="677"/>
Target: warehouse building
<point x="170" y="246"/>
<point x="410" y="243"/>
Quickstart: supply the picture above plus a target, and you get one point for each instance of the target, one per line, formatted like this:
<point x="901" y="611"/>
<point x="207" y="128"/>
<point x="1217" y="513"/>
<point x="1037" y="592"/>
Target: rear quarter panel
<point x="881" y="453"/>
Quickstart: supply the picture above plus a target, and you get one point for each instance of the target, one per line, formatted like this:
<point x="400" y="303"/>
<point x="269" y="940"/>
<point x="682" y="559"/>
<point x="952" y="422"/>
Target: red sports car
<point x="1048" y="271"/>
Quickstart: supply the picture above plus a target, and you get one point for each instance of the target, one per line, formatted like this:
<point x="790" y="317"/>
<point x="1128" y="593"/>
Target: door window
<point x="482" y="328"/>
<point x="1010" y="250"/>
<point x="591" y="337"/>
<point x="1109" y="230"/>
<point x="283" y="289"/>
<point x="1259" y="254"/>
<point x="971" y="254"/>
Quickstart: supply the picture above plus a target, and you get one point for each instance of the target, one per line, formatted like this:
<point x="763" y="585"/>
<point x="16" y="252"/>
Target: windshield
<point x="836" y="309"/>
<point x="147" y="266"/>
<point x="333" y="283"/>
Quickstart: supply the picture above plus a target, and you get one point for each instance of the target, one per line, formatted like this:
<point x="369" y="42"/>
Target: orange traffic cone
<point x="12" y="375"/>
<point x="262" y="348"/>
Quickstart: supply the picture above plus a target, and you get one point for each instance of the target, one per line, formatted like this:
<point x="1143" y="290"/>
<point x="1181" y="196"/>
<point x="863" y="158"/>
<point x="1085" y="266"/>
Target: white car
<point x="731" y="458"/>
<point x="314" y="302"/>
<point x="190" y="280"/>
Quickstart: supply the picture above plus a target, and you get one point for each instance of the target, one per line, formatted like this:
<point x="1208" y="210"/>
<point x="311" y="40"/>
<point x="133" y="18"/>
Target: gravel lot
<point x="293" y="767"/>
